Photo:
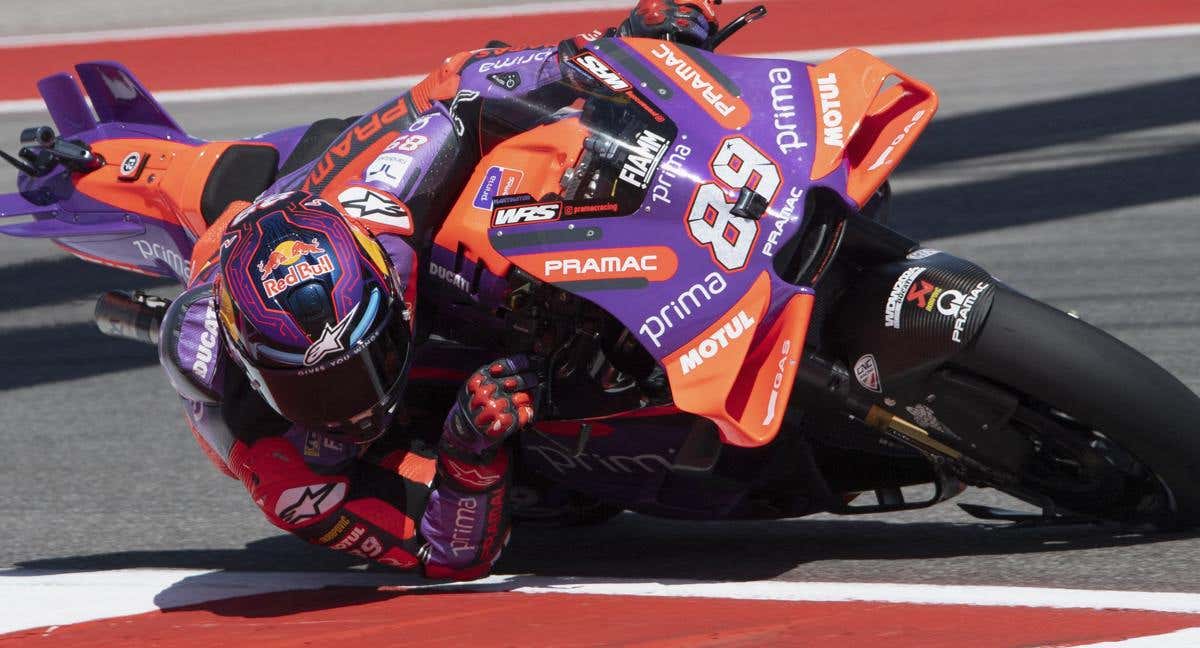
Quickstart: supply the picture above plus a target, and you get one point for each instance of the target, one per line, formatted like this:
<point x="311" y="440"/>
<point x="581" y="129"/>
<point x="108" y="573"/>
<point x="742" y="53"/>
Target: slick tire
<point x="1099" y="381"/>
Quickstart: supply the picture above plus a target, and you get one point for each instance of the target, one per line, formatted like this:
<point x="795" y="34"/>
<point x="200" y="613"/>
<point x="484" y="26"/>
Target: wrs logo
<point x="524" y="214"/>
<point x="601" y="72"/>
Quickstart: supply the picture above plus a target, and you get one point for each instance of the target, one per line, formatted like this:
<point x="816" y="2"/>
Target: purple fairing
<point x="512" y="76"/>
<point x="399" y="168"/>
<point x="453" y="526"/>
<point x="460" y="316"/>
<point x="92" y="228"/>
<point x="66" y="104"/>
<point x="630" y="463"/>
<point x="97" y="229"/>
<point x="118" y="96"/>
<point x="779" y="96"/>
<point x="81" y="224"/>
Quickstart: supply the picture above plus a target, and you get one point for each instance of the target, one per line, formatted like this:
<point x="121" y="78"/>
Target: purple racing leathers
<point x="400" y="500"/>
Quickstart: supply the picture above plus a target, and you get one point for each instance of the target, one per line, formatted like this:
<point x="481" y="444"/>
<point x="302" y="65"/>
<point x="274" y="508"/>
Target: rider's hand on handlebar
<point x="691" y="22"/>
<point x="498" y="400"/>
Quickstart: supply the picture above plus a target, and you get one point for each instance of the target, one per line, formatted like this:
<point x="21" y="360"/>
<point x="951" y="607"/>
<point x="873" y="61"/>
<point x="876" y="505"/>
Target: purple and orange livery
<point x="684" y="255"/>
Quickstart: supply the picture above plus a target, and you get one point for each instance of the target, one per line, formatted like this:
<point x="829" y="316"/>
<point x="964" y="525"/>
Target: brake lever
<point x="25" y="167"/>
<point x="735" y="26"/>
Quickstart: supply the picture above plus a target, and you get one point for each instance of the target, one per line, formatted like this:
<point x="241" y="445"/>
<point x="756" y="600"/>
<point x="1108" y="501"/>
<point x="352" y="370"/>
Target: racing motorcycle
<point x="699" y="249"/>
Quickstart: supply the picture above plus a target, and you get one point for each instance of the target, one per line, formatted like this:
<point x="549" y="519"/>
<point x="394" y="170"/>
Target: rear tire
<point x="1101" y="384"/>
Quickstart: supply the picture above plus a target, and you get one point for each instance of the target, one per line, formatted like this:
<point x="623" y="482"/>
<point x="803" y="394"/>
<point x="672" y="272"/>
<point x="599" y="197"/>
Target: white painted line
<point x="1005" y="42"/>
<point x="32" y="599"/>
<point x="315" y="22"/>
<point x="1187" y="638"/>
<point x="395" y="85"/>
<point x="880" y="592"/>
<point x="400" y="83"/>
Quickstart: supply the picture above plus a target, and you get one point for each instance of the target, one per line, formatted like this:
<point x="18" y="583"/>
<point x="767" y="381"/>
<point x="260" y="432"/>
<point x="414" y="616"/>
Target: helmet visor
<point x="344" y="388"/>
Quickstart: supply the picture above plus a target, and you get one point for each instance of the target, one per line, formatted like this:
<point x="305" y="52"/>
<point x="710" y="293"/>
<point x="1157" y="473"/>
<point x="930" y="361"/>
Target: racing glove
<point x="497" y="400"/>
<point x="466" y="522"/>
<point x="691" y="22"/>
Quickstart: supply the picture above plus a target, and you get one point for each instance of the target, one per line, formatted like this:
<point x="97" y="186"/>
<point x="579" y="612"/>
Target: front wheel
<point x="1109" y="432"/>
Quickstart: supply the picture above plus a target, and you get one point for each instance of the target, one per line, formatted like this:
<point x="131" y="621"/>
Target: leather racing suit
<point x="408" y="500"/>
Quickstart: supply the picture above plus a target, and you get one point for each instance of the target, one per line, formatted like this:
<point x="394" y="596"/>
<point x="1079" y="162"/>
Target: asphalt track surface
<point x="1072" y="172"/>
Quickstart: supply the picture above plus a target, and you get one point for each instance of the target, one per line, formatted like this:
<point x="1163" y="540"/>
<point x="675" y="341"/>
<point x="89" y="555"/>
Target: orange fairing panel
<point x="651" y="263"/>
<point x="207" y="250"/>
<point x="542" y="155"/>
<point x="168" y="187"/>
<point x="755" y="379"/>
<point x="861" y="122"/>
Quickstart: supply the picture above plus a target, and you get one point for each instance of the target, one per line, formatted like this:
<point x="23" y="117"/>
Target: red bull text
<point x="290" y="255"/>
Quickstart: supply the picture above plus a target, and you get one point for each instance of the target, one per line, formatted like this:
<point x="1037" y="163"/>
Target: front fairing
<point x="696" y="135"/>
<point x="702" y="296"/>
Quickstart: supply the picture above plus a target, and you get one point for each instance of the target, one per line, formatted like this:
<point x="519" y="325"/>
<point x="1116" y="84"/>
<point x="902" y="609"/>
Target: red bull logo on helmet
<point x="290" y="255"/>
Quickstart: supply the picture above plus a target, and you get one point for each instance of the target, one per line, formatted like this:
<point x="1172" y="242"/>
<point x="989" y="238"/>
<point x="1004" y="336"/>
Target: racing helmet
<point x="311" y="310"/>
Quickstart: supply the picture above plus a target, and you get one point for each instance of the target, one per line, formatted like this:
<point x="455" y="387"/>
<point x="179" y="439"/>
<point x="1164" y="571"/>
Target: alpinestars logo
<point x="331" y="340"/>
<point x="298" y="505"/>
<point x="601" y="72"/>
<point x="362" y="203"/>
<point x="524" y="214"/>
<point x="644" y="158"/>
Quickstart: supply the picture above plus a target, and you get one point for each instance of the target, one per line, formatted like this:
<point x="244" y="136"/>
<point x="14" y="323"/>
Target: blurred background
<point x="1065" y="158"/>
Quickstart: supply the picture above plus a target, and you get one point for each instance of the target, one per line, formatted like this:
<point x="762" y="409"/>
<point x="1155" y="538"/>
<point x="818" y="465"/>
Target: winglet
<point x="13" y="205"/>
<point x="864" y="121"/>
<point x="119" y="97"/>
<point x="66" y="104"/>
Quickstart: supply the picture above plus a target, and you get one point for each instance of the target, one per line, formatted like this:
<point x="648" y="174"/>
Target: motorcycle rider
<point x="292" y="346"/>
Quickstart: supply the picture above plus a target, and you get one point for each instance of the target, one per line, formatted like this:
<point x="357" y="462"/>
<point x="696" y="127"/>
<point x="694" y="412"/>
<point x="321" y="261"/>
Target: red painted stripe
<point x="340" y="53"/>
<point x="367" y="618"/>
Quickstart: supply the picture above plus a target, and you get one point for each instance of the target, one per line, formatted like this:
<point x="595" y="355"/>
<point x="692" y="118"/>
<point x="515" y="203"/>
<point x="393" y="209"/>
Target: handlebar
<point x="42" y="151"/>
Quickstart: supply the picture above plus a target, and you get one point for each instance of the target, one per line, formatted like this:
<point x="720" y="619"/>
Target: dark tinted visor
<point x="345" y="387"/>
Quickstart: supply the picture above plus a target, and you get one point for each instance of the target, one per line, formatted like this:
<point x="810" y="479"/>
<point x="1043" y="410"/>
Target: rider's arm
<point x="422" y="147"/>
<point x="374" y="505"/>
<point x="400" y="503"/>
